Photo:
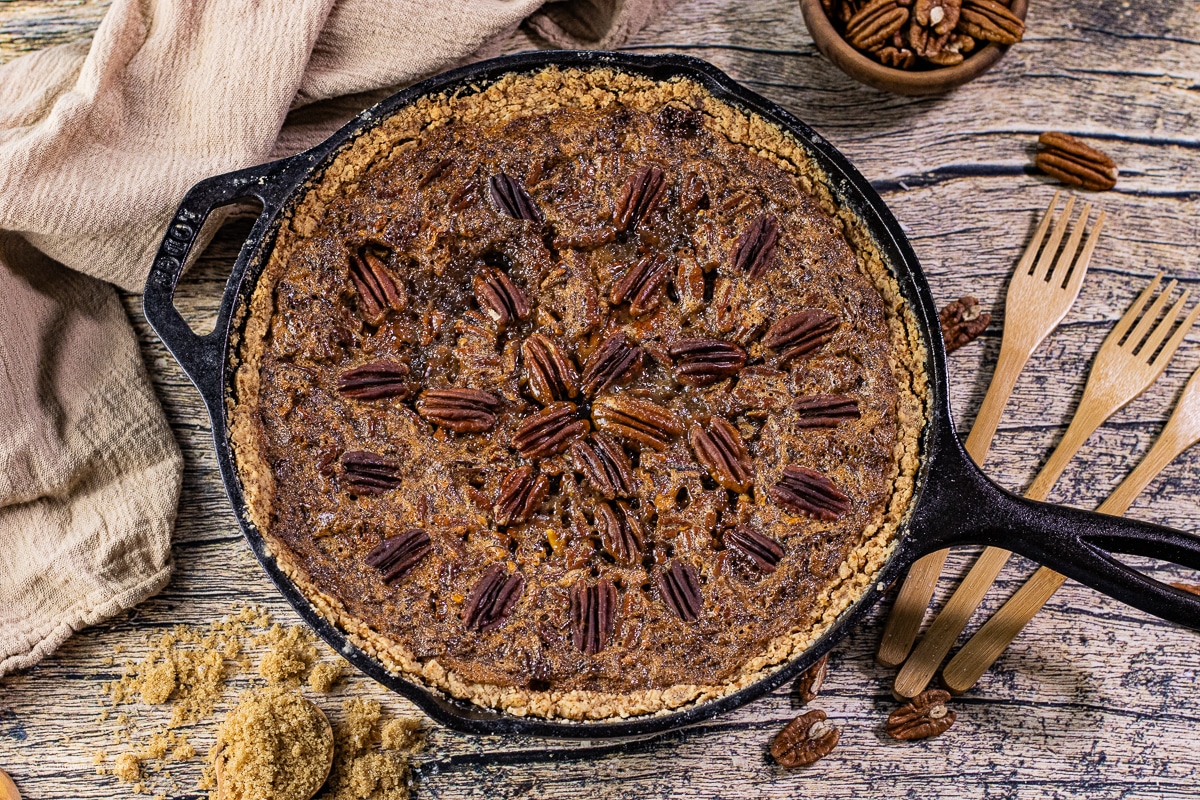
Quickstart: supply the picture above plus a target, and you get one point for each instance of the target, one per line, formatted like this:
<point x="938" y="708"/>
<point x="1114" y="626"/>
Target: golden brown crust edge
<point x="517" y="95"/>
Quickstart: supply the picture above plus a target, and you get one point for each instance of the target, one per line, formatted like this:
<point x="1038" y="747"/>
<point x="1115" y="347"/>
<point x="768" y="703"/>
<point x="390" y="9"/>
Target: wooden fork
<point x="981" y="650"/>
<point x="1133" y="355"/>
<point x="1039" y="296"/>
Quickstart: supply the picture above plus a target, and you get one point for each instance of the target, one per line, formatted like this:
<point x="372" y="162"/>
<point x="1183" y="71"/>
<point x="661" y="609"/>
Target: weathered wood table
<point x="1093" y="700"/>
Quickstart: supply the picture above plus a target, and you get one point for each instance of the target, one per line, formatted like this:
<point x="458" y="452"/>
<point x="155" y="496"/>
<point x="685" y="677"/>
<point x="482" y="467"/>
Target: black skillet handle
<point x="961" y="506"/>
<point x="202" y="357"/>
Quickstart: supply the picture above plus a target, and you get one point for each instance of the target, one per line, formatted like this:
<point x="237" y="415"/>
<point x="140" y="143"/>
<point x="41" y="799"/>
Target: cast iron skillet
<point x="954" y="503"/>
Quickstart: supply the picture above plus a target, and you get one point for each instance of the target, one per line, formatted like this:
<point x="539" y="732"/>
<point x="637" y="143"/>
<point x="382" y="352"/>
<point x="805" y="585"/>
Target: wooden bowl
<point x="859" y="66"/>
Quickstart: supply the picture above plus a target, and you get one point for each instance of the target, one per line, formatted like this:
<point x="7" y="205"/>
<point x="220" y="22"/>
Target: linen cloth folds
<point x="98" y="143"/>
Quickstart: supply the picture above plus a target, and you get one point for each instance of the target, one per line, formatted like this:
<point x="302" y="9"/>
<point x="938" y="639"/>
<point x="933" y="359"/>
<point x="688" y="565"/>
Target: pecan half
<point x="1074" y="163"/>
<point x="459" y="410"/>
<point x="551" y="373"/>
<point x="370" y="473"/>
<point x="874" y="24"/>
<point x="755" y="248"/>
<point x="493" y="599"/>
<point x="640" y="195"/>
<point x="800" y="333"/>
<point x="923" y="717"/>
<point x="639" y="421"/>
<point x="615" y="359"/>
<point x="689" y="285"/>
<point x="620" y="532"/>
<point x="808" y="492"/>
<point x="679" y="587"/>
<point x="897" y="57"/>
<point x="809" y="684"/>
<point x="593" y="612"/>
<point x="643" y="284"/>
<point x="701" y="362"/>
<point x="375" y="381"/>
<point x="694" y="194"/>
<point x="721" y="451"/>
<point x="604" y="463"/>
<point x="932" y="47"/>
<point x="941" y="16"/>
<point x="991" y="21"/>
<point x="398" y="554"/>
<point x="520" y="494"/>
<point x="824" y="410"/>
<point x="509" y="197"/>
<point x="500" y="298"/>
<point x="962" y="321"/>
<point x="765" y="552"/>
<point x="377" y="292"/>
<point x="550" y="431"/>
<point x="434" y="172"/>
<point x="807" y="738"/>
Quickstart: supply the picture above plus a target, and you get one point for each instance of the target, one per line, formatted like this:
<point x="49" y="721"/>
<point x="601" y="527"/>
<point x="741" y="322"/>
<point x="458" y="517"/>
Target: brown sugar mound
<point x="274" y="746"/>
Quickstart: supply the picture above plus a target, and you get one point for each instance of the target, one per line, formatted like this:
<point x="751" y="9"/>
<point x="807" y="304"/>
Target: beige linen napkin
<point x="98" y="143"/>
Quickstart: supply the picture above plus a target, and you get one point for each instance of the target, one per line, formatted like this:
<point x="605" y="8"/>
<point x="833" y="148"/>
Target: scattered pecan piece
<point x="520" y="494"/>
<point x="639" y="421"/>
<point x="593" y="612"/>
<point x="807" y="738"/>
<point x="765" y="552"/>
<point x="551" y="373"/>
<point x="459" y="410"/>
<point x="509" y="197"/>
<point x="800" y="333"/>
<point x="808" y="492"/>
<point x="941" y="16"/>
<point x="809" y="684"/>
<point x="377" y="292"/>
<point x="962" y="321"/>
<point x="694" y="194"/>
<point x="700" y="362"/>
<point x="990" y="21"/>
<point x="874" y="24"/>
<point x="500" y="298"/>
<point x="493" y="599"/>
<point x="615" y="359"/>
<point x="755" y="248"/>
<point x="370" y="473"/>
<point x="375" y="381"/>
<point x="643" y="284"/>
<point x="640" y="195"/>
<point x="604" y="463"/>
<point x="824" y="410"/>
<point x="721" y="451"/>
<point x="679" y="587"/>
<point x="398" y="554"/>
<point x="550" y="431"/>
<point x="923" y="717"/>
<point x="1074" y="163"/>
<point x="620" y="532"/>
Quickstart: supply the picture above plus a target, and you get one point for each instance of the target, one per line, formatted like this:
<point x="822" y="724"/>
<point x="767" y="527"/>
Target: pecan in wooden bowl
<point x="914" y="47"/>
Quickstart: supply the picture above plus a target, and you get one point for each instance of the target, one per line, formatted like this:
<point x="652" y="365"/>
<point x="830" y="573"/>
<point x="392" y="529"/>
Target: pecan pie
<point x="578" y="395"/>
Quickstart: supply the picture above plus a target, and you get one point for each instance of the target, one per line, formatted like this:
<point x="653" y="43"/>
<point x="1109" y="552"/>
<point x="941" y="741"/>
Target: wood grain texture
<point x="1094" y="699"/>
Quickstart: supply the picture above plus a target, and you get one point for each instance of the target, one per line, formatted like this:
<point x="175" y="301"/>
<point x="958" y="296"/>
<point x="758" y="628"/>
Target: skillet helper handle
<point x="202" y="356"/>
<point x="1077" y="543"/>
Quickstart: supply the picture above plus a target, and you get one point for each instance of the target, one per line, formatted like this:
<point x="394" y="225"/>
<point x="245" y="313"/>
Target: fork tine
<point x="1176" y="338"/>
<point x="1042" y="270"/>
<point x="1031" y="250"/>
<point x="1123" y="324"/>
<point x="1063" y="264"/>
<point x="1148" y="319"/>
<point x="1085" y="257"/>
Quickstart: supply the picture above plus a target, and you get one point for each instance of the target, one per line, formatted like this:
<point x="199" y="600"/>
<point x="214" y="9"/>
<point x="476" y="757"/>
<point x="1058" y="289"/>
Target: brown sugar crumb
<point x="292" y="653"/>
<point x="402" y="733"/>
<point x="274" y="746"/>
<point x="158" y="682"/>
<point x="361" y="771"/>
<point x="127" y="767"/>
<point x="323" y="677"/>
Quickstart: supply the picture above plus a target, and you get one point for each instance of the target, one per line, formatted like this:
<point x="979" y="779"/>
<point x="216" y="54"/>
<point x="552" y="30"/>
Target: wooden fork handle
<point x="1088" y="417"/>
<point x="1008" y="368"/>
